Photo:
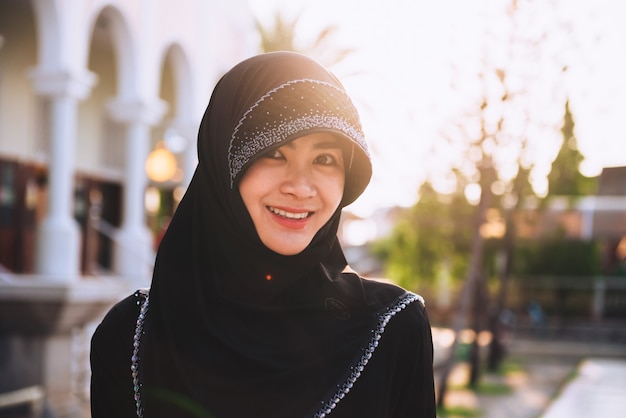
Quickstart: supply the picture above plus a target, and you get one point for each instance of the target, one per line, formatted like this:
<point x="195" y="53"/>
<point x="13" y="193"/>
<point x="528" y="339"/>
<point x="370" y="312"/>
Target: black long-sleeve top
<point x="396" y="383"/>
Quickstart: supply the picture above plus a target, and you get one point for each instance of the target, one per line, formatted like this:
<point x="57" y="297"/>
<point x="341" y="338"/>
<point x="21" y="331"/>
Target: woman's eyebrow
<point x="326" y="145"/>
<point x="329" y="144"/>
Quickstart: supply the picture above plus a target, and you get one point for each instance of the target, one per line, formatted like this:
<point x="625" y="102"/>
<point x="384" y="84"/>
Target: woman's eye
<point x="275" y="155"/>
<point x="325" y="159"/>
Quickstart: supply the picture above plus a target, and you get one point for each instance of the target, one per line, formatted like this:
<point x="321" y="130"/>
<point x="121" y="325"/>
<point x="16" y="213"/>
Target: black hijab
<point x="220" y="339"/>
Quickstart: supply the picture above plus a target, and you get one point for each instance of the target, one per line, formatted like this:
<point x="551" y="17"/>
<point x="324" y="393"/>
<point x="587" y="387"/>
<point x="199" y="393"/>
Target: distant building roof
<point x="612" y="182"/>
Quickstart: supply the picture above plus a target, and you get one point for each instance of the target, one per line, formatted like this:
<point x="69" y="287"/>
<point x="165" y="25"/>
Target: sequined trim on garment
<point x="293" y="107"/>
<point x="327" y="407"/>
<point x="134" y="367"/>
<point x="383" y="320"/>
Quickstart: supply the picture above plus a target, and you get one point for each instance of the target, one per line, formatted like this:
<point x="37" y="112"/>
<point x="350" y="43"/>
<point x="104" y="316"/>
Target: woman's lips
<point x="291" y="218"/>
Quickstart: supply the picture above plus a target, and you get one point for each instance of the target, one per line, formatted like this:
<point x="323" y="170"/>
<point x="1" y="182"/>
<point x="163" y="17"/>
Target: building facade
<point x="88" y="88"/>
<point x="93" y="93"/>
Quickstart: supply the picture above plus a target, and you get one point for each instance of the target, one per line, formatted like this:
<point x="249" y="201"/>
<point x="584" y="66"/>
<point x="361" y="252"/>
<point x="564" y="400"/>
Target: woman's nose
<point x="299" y="182"/>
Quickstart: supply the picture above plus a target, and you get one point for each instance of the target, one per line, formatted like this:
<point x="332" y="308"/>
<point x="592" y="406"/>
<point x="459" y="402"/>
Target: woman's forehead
<point x="316" y="140"/>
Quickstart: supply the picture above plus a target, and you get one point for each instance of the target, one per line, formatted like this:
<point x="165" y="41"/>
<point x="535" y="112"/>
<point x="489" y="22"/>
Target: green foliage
<point x="396" y="250"/>
<point x="436" y="234"/>
<point x="556" y="256"/>
<point x="492" y="250"/>
<point x="493" y="388"/>
<point x="429" y="239"/>
<point x="565" y="178"/>
<point x="463" y="352"/>
<point x="280" y="35"/>
<point x="509" y="366"/>
<point x="457" y="411"/>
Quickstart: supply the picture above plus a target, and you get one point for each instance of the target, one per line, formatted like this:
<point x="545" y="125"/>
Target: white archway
<point x="136" y="110"/>
<point x="125" y="47"/>
<point x="183" y="113"/>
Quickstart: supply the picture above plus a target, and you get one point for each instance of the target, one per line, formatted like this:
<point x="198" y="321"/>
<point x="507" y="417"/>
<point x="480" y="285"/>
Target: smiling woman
<point x="253" y="310"/>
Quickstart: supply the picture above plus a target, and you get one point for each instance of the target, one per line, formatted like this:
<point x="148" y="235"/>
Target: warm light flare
<point x="161" y="164"/>
<point x="419" y="78"/>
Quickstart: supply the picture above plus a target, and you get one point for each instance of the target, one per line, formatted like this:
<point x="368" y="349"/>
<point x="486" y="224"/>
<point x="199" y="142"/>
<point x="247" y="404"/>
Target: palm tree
<point x="281" y="35"/>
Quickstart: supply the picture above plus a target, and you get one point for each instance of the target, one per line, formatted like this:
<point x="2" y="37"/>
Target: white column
<point x="189" y="131"/>
<point x="134" y="254"/>
<point x="58" y="237"/>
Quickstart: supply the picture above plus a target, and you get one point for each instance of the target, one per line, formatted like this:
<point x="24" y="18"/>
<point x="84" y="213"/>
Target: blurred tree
<point x="557" y="256"/>
<point x="496" y="138"/>
<point x="560" y="270"/>
<point x="434" y="234"/>
<point x="565" y="178"/>
<point x="486" y="136"/>
<point x="493" y="139"/>
<point x="520" y="190"/>
<point x="281" y="35"/>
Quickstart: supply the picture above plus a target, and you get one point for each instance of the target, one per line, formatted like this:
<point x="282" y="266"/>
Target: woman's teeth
<point x="290" y="215"/>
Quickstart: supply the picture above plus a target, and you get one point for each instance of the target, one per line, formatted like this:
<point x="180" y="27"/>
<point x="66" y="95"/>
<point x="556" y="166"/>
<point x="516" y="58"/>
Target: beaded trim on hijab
<point x="327" y="407"/>
<point x="293" y="107"/>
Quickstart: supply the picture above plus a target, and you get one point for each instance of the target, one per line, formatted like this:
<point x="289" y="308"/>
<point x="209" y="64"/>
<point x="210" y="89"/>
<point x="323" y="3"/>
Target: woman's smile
<point x="290" y="219"/>
<point x="290" y="214"/>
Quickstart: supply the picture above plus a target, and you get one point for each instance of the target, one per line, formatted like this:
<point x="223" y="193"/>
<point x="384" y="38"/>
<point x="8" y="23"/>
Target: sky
<point x="415" y="77"/>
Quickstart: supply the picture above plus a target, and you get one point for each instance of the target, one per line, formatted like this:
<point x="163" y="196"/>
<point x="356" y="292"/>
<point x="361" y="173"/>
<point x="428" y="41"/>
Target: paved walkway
<point x="532" y="387"/>
<point x="598" y="390"/>
<point x="556" y="379"/>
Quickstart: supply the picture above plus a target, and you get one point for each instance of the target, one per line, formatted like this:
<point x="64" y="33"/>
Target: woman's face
<point x="293" y="191"/>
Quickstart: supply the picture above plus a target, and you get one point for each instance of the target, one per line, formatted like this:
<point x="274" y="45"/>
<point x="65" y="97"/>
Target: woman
<point x="252" y="311"/>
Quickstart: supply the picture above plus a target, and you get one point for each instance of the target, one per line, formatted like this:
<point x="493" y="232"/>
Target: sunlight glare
<point x="472" y="193"/>
<point x="359" y="232"/>
<point x="415" y="76"/>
